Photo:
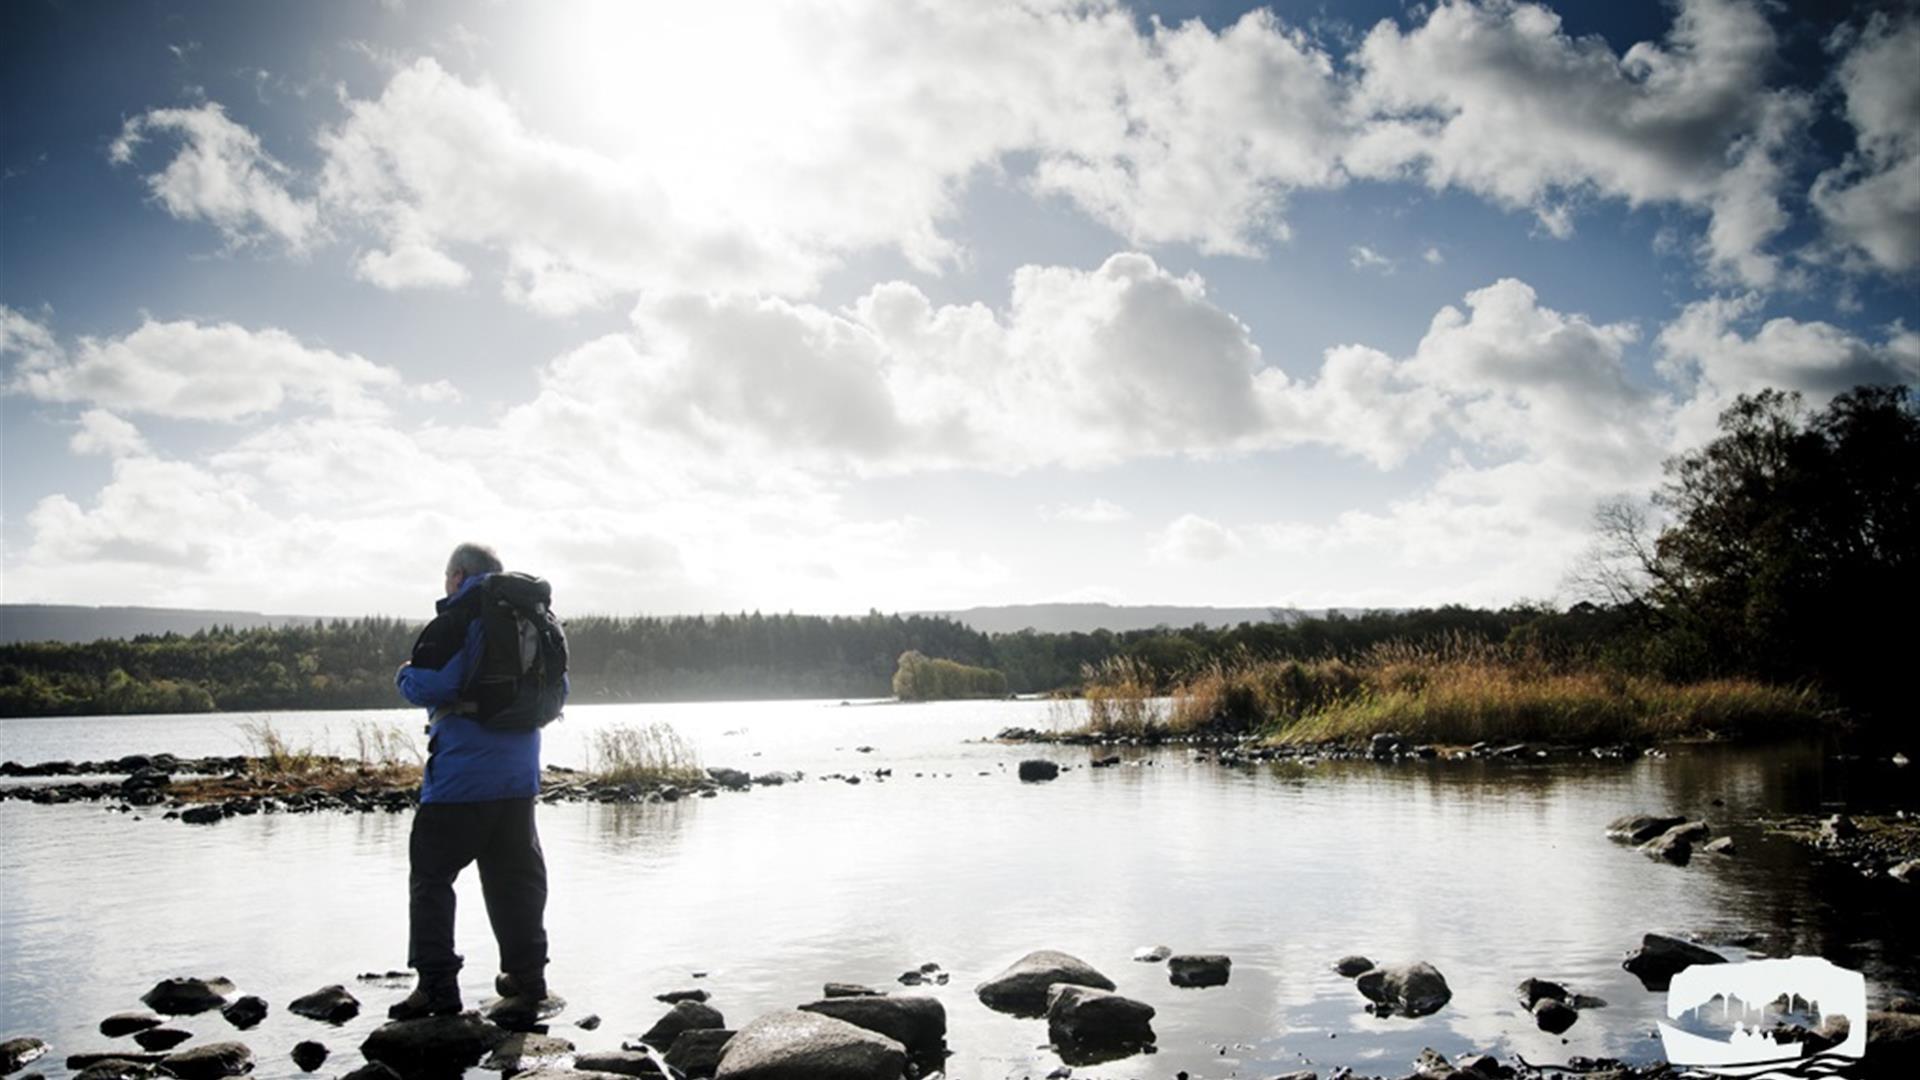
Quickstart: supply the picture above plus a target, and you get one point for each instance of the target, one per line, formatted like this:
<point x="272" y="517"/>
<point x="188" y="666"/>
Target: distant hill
<point x="1086" y="618"/>
<point x="80" y="624"/>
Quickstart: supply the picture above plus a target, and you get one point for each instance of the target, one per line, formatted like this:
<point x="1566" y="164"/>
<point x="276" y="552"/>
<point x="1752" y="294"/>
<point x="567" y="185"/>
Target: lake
<point x="1491" y="871"/>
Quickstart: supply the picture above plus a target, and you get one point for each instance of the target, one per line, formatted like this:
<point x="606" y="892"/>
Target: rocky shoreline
<point x="851" y="1032"/>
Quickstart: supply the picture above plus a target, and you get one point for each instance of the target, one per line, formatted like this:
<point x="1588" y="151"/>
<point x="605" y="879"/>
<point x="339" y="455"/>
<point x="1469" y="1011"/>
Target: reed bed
<point x="626" y="754"/>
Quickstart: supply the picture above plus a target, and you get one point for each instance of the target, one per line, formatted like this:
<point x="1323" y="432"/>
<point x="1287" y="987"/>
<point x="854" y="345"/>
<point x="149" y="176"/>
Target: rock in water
<point x="622" y="1063"/>
<point x="1022" y="988"/>
<point x="1085" y="1017"/>
<point x="1151" y="954"/>
<point x="1672" y="846"/>
<point x="1553" y="1015"/>
<point x="127" y="1023"/>
<point x="1720" y="845"/>
<point x="1531" y="991"/>
<point x="917" y="1023"/>
<point x="685" y="1016"/>
<point x="808" y="1046"/>
<point x="372" y="1070"/>
<point x="185" y="997"/>
<point x="309" y="1055"/>
<point x="1640" y="828"/>
<point x="675" y="997"/>
<point x="1415" y="989"/>
<point x="161" y="1038"/>
<point x="697" y="1053"/>
<point x="432" y="1044"/>
<point x="1037" y="769"/>
<point x="114" y="1069"/>
<point x="329" y="1004"/>
<point x="1207" y="969"/>
<point x="245" y="1012"/>
<point x="1660" y="957"/>
<point x="1351" y="966"/>
<point x="209" y="1062"/>
<point x="840" y="990"/>
<point x="17" y="1054"/>
<point x="525" y="1052"/>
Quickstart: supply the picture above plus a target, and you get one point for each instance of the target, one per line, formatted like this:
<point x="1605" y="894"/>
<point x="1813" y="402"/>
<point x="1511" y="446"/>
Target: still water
<point x="1492" y="872"/>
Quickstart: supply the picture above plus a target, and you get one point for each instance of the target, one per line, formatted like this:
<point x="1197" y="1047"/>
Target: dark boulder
<point x="329" y="1004"/>
<point x="185" y="996"/>
<point x="77" y="1062"/>
<point x="202" y="815"/>
<point x="1672" y="846"/>
<point x="436" y="1045"/>
<point x="1532" y="990"/>
<point x="17" y="1054"/>
<point x="1083" y="1017"/>
<point x="209" y="1062"/>
<point x="917" y="1023"/>
<point x="675" y="997"/>
<point x="1037" y="769"/>
<point x="309" y="1055"/>
<point x="1893" y="1046"/>
<point x="841" y="990"/>
<point x="245" y="1012"/>
<point x="684" y="1016"/>
<point x="1660" y="957"/>
<point x="808" y="1046"/>
<point x="697" y="1053"/>
<point x="115" y="1069"/>
<point x="161" y="1039"/>
<point x="1553" y="1015"/>
<point x="1351" y="966"/>
<point x="1199" y="969"/>
<point x="732" y="779"/>
<point x="621" y="1063"/>
<point x="1415" y="989"/>
<point x="1022" y="988"/>
<point x="1640" y="828"/>
<point x="372" y="1070"/>
<point x="127" y="1023"/>
<point x="589" y="1022"/>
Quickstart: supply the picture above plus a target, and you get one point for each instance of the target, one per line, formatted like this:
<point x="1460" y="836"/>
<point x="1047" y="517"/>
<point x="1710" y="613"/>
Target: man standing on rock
<point x="476" y="805"/>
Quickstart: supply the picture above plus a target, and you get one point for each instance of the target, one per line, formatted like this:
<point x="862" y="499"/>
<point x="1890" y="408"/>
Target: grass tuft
<point x="623" y="753"/>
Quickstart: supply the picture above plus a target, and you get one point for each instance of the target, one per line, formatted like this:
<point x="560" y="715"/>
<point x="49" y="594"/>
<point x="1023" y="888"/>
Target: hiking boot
<point x="531" y="985"/>
<point x="436" y="996"/>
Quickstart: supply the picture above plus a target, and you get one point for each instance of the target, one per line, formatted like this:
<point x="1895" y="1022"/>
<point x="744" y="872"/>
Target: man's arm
<point x="432" y="687"/>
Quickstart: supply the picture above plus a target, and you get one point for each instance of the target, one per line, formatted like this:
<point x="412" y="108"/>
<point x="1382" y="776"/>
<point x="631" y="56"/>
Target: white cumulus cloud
<point x="1871" y="201"/>
<point x="221" y="175"/>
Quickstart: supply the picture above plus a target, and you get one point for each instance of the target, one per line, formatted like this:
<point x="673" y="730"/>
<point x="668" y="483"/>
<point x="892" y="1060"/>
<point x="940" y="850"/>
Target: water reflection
<point x="1490" y="871"/>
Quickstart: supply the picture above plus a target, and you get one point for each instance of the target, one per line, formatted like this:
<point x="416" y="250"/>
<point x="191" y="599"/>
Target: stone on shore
<point x="1199" y="969"/>
<point x="436" y="1045"/>
<point x="525" y="1052"/>
<point x="245" y="1012"/>
<point x="185" y="996"/>
<point x="161" y="1039"/>
<point x="684" y="1016"/>
<point x="1553" y="1015"/>
<point x="1084" y="1017"/>
<point x="917" y="1023"/>
<point x="621" y="1063"/>
<point x="1023" y="986"/>
<point x="799" y="1045"/>
<point x="17" y="1054"/>
<point x="329" y="1004"/>
<point x="209" y="1062"/>
<point x="842" y="990"/>
<point x="1352" y="966"/>
<point x="309" y="1055"/>
<point x="697" y="1053"/>
<point x="1640" y="828"/>
<point x="1036" y="769"/>
<point x="115" y="1069"/>
<point x="1660" y="957"/>
<point x="127" y="1023"/>
<point x="1415" y="989"/>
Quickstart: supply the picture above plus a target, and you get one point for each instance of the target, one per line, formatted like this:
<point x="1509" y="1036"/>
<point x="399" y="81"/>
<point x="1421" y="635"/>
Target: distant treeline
<point x="349" y="663"/>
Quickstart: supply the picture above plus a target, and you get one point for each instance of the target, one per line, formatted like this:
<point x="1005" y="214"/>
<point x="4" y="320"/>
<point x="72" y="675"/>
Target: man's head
<point x="469" y="560"/>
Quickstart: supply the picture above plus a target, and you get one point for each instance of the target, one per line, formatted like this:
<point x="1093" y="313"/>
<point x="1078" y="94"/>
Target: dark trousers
<point x="501" y="837"/>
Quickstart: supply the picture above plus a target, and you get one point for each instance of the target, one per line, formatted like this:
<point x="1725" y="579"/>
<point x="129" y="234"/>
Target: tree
<point x="1793" y="546"/>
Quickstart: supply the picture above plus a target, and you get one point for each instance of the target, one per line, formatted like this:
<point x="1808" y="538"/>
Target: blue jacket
<point x="466" y="760"/>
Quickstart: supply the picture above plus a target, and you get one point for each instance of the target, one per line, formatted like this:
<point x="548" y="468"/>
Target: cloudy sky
<point x="904" y="305"/>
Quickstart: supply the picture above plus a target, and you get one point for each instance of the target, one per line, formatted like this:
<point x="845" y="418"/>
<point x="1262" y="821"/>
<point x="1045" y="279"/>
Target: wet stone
<point x="17" y="1054"/>
<point x="187" y="996"/>
<point x="209" y="1062"/>
<point x="127" y="1023"/>
<point x="1209" y="969"/>
<point x="622" y="1063"/>
<point x="309" y="1055"/>
<point x="697" y="1053"/>
<point x="161" y="1038"/>
<point x="245" y="1012"/>
<point x="329" y="1004"/>
<point x="1352" y="966"/>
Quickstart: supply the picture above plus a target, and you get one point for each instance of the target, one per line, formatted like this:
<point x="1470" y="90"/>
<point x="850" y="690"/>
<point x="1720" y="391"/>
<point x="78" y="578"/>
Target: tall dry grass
<point x="625" y="754"/>
<point x="1457" y="691"/>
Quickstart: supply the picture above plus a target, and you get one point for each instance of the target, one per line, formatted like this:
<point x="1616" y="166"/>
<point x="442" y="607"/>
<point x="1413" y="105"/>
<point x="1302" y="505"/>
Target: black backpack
<point x="520" y="684"/>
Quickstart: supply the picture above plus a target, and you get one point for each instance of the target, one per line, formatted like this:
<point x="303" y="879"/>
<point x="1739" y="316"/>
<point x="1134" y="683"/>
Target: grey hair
<point x="472" y="559"/>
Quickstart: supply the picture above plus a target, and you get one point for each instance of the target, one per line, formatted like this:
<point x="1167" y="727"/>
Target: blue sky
<point x="854" y="305"/>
